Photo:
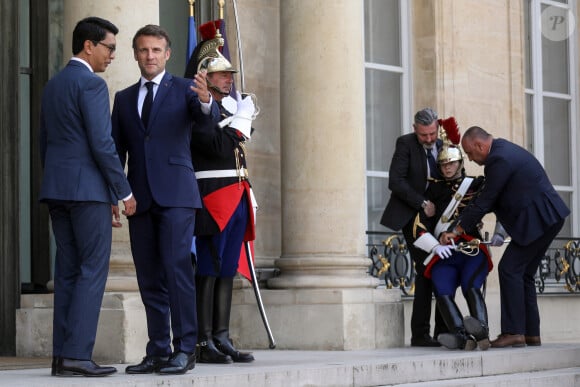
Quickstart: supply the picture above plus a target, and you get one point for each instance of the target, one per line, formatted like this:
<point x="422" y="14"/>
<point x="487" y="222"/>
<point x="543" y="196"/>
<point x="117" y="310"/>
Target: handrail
<point x="559" y="270"/>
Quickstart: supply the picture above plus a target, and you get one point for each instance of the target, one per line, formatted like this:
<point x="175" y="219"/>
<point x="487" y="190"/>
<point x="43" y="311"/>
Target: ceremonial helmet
<point x="450" y="151"/>
<point x="207" y="54"/>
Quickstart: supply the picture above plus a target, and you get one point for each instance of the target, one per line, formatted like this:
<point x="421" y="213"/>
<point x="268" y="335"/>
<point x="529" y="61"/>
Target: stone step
<point x="388" y="367"/>
<point x="566" y="377"/>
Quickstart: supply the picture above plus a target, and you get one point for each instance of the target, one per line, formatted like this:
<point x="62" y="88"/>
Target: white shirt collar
<point x="156" y="80"/>
<point x="83" y="62"/>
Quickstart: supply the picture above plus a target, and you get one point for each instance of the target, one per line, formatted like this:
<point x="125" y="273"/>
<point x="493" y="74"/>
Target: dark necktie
<point x="147" y="103"/>
<point x="434" y="172"/>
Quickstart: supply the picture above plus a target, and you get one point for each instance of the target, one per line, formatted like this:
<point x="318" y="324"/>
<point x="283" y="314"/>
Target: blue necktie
<point x="434" y="172"/>
<point x="147" y="103"/>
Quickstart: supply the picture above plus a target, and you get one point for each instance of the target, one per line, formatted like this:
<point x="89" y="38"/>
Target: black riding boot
<point x="477" y="324"/>
<point x="207" y="351"/>
<point x="221" y="320"/>
<point x="457" y="338"/>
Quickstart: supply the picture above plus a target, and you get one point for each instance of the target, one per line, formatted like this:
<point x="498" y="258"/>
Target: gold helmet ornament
<point x="449" y="133"/>
<point x="209" y="56"/>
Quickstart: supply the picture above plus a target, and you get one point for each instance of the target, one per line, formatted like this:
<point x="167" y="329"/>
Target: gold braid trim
<point x="417" y="224"/>
<point x="239" y="164"/>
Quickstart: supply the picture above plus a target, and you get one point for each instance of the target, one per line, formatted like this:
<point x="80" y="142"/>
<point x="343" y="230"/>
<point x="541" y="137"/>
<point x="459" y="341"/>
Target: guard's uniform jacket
<point x="440" y="192"/>
<point x="219" y="160"/>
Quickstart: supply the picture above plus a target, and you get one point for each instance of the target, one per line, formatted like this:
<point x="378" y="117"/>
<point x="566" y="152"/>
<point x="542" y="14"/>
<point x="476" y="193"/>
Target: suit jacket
<point x="407" y="182"/>
<point x="77" y="151"/>
<point x="518" y="190"/>
<point x="159" y="163"/>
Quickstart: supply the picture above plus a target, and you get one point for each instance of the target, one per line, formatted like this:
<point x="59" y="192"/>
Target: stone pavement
<point x="551" y="364"/>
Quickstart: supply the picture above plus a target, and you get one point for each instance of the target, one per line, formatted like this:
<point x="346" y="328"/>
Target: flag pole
<point x="221" y="4"/>
<point x="191" y="34"/>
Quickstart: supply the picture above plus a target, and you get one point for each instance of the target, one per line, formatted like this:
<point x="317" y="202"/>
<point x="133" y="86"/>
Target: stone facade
<point x="304" y="61"/>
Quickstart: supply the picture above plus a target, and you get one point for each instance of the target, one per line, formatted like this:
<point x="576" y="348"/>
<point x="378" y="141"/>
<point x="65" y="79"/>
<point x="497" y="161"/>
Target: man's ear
<point x="88" y="46"/>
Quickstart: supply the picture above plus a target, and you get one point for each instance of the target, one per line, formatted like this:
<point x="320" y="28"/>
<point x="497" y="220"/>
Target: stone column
<point x="329" y="300"/>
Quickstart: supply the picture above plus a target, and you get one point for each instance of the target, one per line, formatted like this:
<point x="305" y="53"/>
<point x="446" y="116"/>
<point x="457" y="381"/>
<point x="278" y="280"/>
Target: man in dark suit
<point x="152" y="124"/>
<point x="82" y="180"/>
<point x="524" y="200"/>
<point x="408" y="179"/>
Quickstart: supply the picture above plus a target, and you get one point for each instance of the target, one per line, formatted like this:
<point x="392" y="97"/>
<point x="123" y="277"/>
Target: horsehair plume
<point x="209" y="30"/>
<point x="451" y="129"/>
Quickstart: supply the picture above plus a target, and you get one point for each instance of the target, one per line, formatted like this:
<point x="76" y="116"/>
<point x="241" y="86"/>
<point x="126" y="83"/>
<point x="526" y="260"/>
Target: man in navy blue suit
<point x="524" y="200"/>
<point x="82" y="180"/>
<point x="152" y="124"/>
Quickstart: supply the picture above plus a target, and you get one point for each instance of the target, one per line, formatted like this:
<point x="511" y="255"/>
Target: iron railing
<point x="559" y="270"/>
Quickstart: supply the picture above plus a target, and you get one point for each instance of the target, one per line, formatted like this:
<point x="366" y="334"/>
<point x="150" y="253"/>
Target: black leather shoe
<point x="208" y="353"/>
<point x="226" y="347"/>
<point x="178" y="363"/>
<point x="71" y="367"/>
<point x="424" y="341"/>
<point x="148" y="365"/>
<point x="55" y="360"/>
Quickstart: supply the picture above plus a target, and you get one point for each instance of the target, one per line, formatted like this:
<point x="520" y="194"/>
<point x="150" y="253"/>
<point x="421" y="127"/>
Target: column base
<point x="320" y="319"/>
<point x="121" y="334"/>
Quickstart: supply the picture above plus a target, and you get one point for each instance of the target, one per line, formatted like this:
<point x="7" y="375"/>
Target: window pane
<point x="378" y="194"/>
<point x="557" y="141"/>
<point x="555" y="61"/>
<point x="383" y="117"/>
<point x="382" y="36"/>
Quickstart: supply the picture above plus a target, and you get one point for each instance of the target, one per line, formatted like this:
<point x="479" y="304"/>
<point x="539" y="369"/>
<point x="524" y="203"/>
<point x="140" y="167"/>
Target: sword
<point x="470" y="248"/>
<point x="258" y="295"/>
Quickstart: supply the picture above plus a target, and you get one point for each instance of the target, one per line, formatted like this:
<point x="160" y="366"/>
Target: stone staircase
<point x="552" y="364"/>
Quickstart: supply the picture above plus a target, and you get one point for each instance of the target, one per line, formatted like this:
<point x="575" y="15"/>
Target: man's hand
<point x="130" y="206"/>
<point x="429" y="208"/>
<point x="200" y="86"/>
<point x="116" y="217"/>
<point x="446" y="237"/>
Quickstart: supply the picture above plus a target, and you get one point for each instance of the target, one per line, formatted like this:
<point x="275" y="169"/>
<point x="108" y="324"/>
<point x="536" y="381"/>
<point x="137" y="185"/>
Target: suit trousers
<point x="421" y="314"/>
<point x="161" y="244"/>
<point x="83" y="233"/>
<point x="516" y="270"/>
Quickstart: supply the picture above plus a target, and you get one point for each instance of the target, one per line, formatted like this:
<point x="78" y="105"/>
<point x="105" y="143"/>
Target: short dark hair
<point x="91" y="28"/>
<point x="152" y="30"/>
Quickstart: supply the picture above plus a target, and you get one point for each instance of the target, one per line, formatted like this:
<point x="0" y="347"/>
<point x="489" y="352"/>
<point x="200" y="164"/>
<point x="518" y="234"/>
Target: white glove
<point x="443" y="251"/>
<point x="244" y="115"/>
<point x="496" y="240"/>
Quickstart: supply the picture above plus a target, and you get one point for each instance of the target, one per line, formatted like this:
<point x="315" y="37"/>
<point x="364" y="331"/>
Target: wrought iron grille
<point x="559" y="270"/>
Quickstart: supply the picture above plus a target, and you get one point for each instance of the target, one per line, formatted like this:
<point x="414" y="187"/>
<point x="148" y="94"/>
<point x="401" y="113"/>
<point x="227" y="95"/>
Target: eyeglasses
<point x="111" y="47"/>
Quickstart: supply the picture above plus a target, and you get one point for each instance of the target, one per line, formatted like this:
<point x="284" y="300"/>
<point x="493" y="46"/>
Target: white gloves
<point x="242" y="120"/>
<point x="443" y="251"/>
<point x="496" y="240"/>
